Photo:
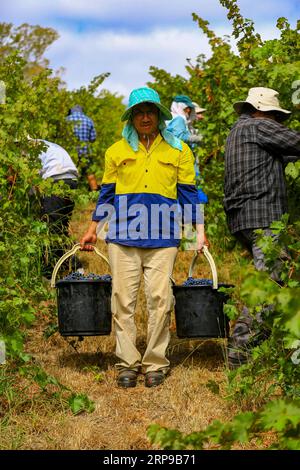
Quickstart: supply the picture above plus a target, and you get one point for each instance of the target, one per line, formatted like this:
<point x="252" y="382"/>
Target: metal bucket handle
<point x="75" y="248"/>
<point x="213" y="268"/>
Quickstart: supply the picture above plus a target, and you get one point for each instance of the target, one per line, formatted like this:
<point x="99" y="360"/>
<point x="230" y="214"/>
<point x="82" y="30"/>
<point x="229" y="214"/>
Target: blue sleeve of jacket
<point x="188" y="199"/>
<point x="179" y="128"/>
<point x="203" y="199"/>
<point x="105" y="204"/>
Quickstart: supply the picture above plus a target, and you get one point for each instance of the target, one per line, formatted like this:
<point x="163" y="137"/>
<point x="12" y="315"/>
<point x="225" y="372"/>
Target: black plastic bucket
<point x="84" y="308"/>
<point x="199" y="308"/>
<point x="83" y="305"/>
<point x="199" y="312"/>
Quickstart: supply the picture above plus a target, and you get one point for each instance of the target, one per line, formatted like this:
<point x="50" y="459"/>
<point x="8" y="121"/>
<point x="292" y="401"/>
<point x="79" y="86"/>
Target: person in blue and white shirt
<point x="84" y="130"/>
<point x="183" y="115"/>
<point x="183" y="112"/>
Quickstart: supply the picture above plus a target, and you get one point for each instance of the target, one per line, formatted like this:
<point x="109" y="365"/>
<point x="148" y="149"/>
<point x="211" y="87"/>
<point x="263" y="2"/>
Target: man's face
<point x="199" y="116"/>
<point x="145" y="118"/>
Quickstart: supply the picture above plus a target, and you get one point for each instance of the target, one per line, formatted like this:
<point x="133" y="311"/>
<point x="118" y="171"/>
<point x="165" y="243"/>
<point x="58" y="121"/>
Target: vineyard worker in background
<point x="183" y="113"/>
<point x="148" y="168"/>
<point x="199" y="111"/>
<point x="57" y="210"/>
<point x="197" y="116"/>
<point x="85" y="131"/>
<point x="256" y="150"/>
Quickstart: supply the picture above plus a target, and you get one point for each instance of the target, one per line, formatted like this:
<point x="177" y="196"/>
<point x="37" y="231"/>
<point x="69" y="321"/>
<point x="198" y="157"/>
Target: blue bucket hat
<point x="184" y="99"/>
<point x="145" y="95"/>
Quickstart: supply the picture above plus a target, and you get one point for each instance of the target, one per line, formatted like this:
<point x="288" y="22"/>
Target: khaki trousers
<point x="127" y="265"/>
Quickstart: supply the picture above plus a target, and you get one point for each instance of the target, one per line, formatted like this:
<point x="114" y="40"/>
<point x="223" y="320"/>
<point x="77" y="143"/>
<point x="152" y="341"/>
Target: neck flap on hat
<point x="177" y="109"/>
<point x="131" y="136"/>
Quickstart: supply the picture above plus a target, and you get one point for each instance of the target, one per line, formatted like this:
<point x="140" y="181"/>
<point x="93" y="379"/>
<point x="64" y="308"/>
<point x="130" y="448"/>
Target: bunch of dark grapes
<point x="197" y="282"/>
<point x="87" y="277"/>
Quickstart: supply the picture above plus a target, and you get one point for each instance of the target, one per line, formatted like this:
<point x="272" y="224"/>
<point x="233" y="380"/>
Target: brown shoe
<point x="154" y="378"/>
<point x="127" y="378"/>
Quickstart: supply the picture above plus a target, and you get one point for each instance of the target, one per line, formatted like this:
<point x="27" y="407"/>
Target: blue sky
<point x="126" y="37"/>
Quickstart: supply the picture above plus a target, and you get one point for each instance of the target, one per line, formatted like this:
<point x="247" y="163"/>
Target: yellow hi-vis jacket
<point x="145" y="194"/>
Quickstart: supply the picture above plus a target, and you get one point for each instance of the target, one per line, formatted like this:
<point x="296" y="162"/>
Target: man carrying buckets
<point x="148" y="187"/>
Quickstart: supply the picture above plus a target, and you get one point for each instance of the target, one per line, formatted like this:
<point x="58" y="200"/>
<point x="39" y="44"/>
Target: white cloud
<point x="130" y="13"/>
<point x="126" y="37"/>
<point x="128" y="56"/>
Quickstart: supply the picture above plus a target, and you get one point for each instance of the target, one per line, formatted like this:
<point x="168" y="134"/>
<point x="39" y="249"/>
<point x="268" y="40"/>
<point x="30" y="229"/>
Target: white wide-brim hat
<point x="262" y="99"/>
<point x="198" y="108"/>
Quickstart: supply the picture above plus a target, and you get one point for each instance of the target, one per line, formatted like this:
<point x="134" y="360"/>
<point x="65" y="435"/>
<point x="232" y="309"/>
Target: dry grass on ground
<point x="121" y="417"/>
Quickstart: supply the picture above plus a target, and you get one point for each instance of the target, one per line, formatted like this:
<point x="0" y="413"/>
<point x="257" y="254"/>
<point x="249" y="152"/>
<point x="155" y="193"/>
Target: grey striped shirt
<point x="255" y="154"/>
